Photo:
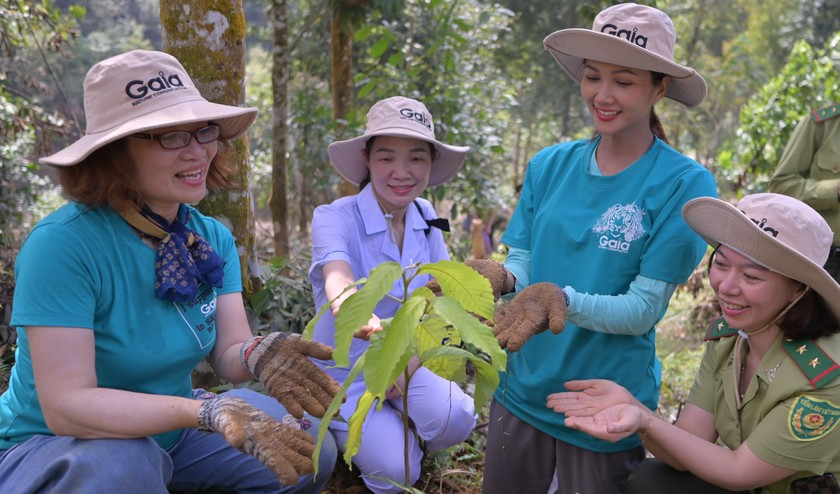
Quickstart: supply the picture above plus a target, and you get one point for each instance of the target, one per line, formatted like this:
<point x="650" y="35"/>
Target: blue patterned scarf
<point x="184" y="258"/>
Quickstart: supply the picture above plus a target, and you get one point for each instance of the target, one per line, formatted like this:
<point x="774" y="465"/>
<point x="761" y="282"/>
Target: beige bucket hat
<point x="777" y="231"/>
<point x="400" y="117"/>
<point x="629" y="35"/>
<point x="142" y="90"/>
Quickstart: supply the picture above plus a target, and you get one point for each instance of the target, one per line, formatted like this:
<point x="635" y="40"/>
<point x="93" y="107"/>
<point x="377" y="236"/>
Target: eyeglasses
<point x="178" y="139"/>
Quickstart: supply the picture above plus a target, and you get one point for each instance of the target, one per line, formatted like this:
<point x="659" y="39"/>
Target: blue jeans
<point x="198" y="461"/>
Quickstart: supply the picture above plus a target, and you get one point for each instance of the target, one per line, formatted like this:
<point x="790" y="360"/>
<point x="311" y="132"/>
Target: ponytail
<point x="656" y="126"/>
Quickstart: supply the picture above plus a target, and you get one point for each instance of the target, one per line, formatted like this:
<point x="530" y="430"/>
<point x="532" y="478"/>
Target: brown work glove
<point x="495" y="273"/>
<point x="539" y="307"/>
<point x="286" y="450"/>
<point x="280" y="361"/>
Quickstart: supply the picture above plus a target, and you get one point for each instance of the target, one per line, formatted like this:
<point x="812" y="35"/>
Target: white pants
<point x="440" y="412"/>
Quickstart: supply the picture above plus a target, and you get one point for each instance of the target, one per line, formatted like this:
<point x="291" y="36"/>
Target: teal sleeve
<point x="518" y="262"/>
<point x="631" y="313"/>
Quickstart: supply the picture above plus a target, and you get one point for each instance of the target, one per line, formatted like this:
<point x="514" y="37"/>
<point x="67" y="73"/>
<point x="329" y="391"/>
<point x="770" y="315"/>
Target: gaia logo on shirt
<point x="619" y="226"/>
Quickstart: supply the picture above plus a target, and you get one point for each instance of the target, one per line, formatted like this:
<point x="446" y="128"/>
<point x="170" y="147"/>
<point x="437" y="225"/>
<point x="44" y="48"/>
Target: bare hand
<point x="611" y="424"/>
<point x="586" y="398"/>
<point x="374" y="325"/>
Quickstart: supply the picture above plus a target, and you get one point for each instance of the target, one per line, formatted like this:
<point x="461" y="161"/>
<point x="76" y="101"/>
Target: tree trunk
<point x="208" y="37"/>
<point x="341" y="75"/>
<point x="281" y="67"/>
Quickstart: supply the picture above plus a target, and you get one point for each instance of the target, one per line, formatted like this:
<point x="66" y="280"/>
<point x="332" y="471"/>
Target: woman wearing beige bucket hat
<point x="124" y="290"/>
<point x="597" y="248"/>
<point x="394" y="161"/>
<point x="767" y="388"/>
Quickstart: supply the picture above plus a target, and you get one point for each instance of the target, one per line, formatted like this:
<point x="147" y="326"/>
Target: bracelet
<point x="649" y="427"/>
<point x="247" y="348"/>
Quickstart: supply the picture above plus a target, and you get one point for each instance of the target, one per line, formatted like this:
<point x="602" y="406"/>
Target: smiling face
<point x="620" y="98"/>
<point x="399" y="169"/>
<point x="169" y="177"/>
<point x="750" y="295"/>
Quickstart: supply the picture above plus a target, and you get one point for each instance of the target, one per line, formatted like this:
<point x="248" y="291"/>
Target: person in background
<point x="393" y="162"/>
<point x="597" y="247"/>
<point x="122" y="291"/>
<point x="767" y="386"/>
<point x="809" y="170"/>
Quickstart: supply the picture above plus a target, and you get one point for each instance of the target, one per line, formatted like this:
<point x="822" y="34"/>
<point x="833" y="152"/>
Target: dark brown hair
<point x="108" y="177"/>
<point x="809" y="318"/>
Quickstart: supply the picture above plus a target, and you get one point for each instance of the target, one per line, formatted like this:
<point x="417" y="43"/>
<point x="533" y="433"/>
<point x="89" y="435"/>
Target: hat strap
<point x="745" y="336"/>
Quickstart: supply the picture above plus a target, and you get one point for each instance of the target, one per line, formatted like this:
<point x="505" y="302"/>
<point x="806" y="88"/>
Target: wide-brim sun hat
<point x="396" y="116"/>
<point x="776" y="231"/>
<point x="629" y="35"/>
<point x="141" y="90"/>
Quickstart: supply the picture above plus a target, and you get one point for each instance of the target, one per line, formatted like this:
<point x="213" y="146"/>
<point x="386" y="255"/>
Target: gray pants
<point x="521" y="459"/>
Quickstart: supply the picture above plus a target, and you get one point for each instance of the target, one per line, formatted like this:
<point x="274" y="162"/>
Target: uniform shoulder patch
<point x="810" y="418"/>
<point x="823" y="114"/>
<point x="817" y="366"/>
<point x="719" y="329"/>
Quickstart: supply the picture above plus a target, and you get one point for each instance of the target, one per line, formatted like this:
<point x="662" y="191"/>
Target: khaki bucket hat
<point x="396" y="116"/>
<point x="142" y="90"/>
<point x="629" y="35"/>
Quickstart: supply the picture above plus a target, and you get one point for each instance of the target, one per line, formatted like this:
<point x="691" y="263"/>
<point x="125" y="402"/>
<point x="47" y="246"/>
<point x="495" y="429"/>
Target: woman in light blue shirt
<point x="394" y="162"/>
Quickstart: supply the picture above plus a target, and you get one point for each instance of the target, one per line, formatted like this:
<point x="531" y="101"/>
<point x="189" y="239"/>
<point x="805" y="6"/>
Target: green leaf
<point x="380" y="47"/>
<point x="449" y="362"/>
<point x="463" y="284"/>
<point x="357" y="420"/>
<point x="391" y="349"/>
<point x="486" y="377"/>
<point x="486" y="381"/>
<point x="471" y="330"/>
<point x="333" y="409"/>
<point x="310" y="326"/>
<point x="433" y="333"/>
<point x="356" y="311"/>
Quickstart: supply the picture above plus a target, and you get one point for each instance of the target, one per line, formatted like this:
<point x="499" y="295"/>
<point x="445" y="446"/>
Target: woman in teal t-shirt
<point x="123" y="291"/>
<point x="597" y="247"/>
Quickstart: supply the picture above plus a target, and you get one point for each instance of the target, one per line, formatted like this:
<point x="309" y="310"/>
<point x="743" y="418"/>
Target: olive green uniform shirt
<point x="790" y="410"/>
<point x="809" y="168"/>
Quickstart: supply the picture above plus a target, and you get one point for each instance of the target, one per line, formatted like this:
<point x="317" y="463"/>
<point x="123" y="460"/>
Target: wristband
<point x="204" y="411"/>
<point x="247" y="348"/>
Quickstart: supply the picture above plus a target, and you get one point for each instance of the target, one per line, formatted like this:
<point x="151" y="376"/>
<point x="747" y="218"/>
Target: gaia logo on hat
<point x="418" y="117"/>
<point x="631" y="36"/>
<point x="138" y="89"/>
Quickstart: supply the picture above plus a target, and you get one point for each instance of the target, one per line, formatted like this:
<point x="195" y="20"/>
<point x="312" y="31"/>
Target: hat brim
<point x="719" y="222"/>
<point x="233" y="121"/>
<point x="570" y="47"/>
<point x="347" y="157"/>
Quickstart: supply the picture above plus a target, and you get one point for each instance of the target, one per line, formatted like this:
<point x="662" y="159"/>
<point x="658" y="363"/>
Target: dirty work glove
<point x="539" y="307"/>
<point x="284" y="449"/>
<point x="280" y="361"/>
<point x="495" y="273"/>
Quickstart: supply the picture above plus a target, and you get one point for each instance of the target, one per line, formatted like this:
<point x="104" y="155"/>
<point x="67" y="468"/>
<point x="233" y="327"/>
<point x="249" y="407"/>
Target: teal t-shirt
<point x="596" y="234"/>
<point x="87" y="269"/>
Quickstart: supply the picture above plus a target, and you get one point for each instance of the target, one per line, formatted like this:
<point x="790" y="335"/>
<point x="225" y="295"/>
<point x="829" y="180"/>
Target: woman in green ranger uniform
<point x="763" y="411"/>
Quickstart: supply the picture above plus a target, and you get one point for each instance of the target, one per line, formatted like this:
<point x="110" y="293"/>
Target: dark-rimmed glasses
<point x="178" y="139"/>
